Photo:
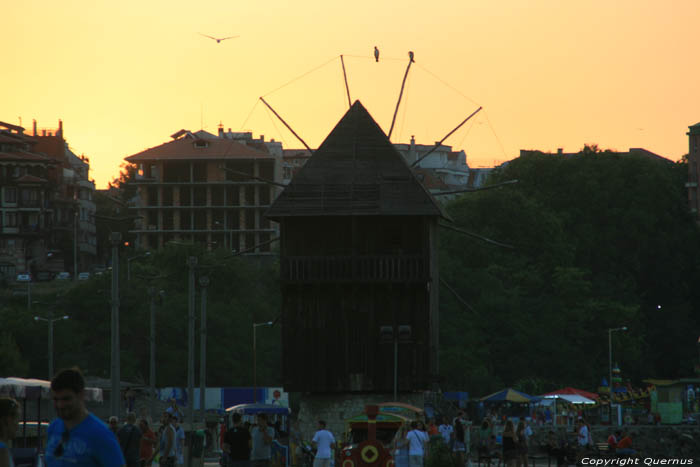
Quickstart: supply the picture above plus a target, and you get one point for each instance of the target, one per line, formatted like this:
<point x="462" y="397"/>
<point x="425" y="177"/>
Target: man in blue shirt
<point x="77" y="438"/>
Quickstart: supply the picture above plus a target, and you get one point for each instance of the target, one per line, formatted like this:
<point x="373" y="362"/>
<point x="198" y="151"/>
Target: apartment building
<point x="72" y="200"/>
<point x="25" y="211"/>
<point x="197" y="188"/>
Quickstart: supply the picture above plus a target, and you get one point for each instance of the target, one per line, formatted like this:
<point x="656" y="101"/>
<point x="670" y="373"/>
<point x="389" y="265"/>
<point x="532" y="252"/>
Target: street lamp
<point x="128" y="264"/>
<point x="387" y="334"/>
<point x="255" y="370"/>
<point x="203" y="283"/>
<point x="610" y="331"/>
<point x="51" y="321"/>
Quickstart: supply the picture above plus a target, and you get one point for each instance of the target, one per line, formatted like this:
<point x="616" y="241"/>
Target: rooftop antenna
<point x="201" y="116"/>
<point x="403" y="84"/>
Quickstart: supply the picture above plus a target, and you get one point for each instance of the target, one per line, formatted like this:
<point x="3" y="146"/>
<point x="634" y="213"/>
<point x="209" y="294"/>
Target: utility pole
<point x="75" y="243"/>
<point x="115" y="399"/>
<point x="204" y="283"/>
<point x="152" y="341"/>
<point x="192" y="265"/>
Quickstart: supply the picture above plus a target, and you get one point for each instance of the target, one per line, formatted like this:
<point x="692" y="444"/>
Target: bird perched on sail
<point x="410" y="56"/>
<point x="376" y="54"/>
<point x="218" y="39"/>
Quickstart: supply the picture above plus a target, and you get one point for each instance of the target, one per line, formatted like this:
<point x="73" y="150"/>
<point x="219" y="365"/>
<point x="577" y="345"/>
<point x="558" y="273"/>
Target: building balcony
<point x="399" y="269"/>
<point x="29" y="204"/>
<point x="31" y="229"/>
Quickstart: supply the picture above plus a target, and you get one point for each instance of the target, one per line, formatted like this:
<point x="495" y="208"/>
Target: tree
<point x="11" y="361"/>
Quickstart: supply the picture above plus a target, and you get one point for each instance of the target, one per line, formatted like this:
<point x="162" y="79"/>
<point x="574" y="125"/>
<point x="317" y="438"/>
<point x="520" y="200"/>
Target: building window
<point x="250" y="219"/>
<point x="185" y="194"/>
<point x="186" y="220"/>
<point x="233" y="219"/>
<point x="200" y="196"/>
<point x="167" y="196"/>
<point x="233" y="197"/>
<point x="10" y="195"/>
<point x="167" y="220"/>
<point x="250" y="195"/>
<point x="152" y="196"/>
<point x="199" y="171"/>
<point x="11" y="219"/>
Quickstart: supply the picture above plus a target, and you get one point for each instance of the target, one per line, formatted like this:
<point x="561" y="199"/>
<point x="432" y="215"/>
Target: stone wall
<point x="335" y="409"/>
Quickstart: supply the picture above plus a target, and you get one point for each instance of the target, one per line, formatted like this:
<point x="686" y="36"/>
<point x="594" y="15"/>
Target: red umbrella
<point x="570" y="390"/>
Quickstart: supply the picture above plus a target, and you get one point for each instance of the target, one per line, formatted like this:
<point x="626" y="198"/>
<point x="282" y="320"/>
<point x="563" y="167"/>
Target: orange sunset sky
<point x="125" y="75"/>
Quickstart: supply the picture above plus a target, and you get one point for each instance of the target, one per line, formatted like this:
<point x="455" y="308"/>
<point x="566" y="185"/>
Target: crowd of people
<point x="79" y="438"/>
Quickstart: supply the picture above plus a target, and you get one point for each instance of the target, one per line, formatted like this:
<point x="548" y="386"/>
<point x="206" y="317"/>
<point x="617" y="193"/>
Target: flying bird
<point x="217" y="39"/>
<point x="410" y="55"/>
<point x="376" y="54"/>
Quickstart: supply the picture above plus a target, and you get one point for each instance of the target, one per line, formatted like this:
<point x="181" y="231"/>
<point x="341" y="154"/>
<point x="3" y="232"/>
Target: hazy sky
<point x="125" y="75"/>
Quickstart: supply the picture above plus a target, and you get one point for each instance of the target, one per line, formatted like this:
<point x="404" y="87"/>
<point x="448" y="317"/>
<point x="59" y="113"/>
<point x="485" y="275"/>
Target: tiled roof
<point x="355" y="171"/>
<point x="24" y="156"/>
<point x="185" y="148"/>
<point x="7" y="137"/>
<point x="429" y="180"/>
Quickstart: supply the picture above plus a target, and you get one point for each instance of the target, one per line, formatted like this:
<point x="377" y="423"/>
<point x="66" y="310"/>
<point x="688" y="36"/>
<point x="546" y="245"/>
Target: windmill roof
<point x="355" y="171"/>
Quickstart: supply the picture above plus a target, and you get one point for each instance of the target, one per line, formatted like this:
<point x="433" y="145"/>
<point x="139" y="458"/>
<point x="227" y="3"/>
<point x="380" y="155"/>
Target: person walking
<point x="236" y="444"/>
<point x="77" y="437"/>
<point x="179" y="441"/>
<point x="113" y="424"/>
<point x="400" y="446"/>
<point x="324" y="441"/>
<point x="262" y="436"/>
<point x="446" y="431"/>
<point x="9" y="421"/>
<point x="510" y="445"/>
<point x="167" y="449"/>
<point x="146" y="443"/>
<point x="129" y="437"/>
<point x="416" y="446"/>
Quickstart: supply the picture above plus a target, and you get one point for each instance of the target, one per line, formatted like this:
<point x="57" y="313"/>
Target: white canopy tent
<point x="36" y="389"/>
<point x="24" y="388"/>
<point x="550" y="400"/>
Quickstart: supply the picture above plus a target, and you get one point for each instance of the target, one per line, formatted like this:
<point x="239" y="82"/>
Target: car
<point x="24" y="277"/>
<point x="83" y="276"/>
<point x="63" y="276"/>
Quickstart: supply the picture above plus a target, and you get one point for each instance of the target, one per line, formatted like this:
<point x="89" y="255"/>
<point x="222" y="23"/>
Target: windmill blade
<point x="207" y="36"/>
<point x="230" y="37"/>
<point x="477" y="236"/>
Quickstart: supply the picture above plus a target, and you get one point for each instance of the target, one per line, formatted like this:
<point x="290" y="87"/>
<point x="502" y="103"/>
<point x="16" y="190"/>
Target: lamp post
<point x="203" y="283"/>
<point x="255" y="369"/>
<point x="610" y="331"/>
<point x="128" y="264"/>
<point x="51" y="321"/>
<point x="115" y="399"/>
<point x="403" y="334"/>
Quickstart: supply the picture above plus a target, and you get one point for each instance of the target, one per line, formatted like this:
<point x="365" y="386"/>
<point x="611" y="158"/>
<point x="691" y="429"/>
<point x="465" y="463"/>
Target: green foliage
<point x="241" y="291"/>
<point x="11" y="361"/>
<point x="600" y="240"/>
